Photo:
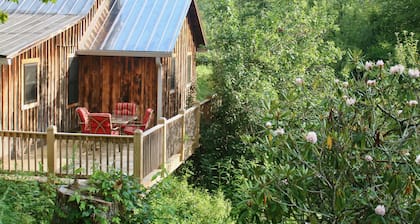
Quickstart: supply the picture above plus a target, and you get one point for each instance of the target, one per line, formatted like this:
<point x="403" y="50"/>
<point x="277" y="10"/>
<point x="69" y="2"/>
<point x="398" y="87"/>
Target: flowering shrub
<point x="352" y="156"/>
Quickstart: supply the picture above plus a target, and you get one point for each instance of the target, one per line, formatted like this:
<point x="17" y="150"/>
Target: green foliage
<point x="257" y="48"/>
<point x="204" y="83"/>
<point x="114" y="186"/>
<point x="25" y="201"/>
<point x="273" y="62"/>
<point x="364" y="156"/>
<point x="173" y="201"/>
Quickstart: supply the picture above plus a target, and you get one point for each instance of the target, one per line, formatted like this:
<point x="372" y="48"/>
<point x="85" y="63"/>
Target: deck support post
<point x="182" y="156"/>
<point x="138" y="155"/>
<point x="51" y="150"/>
<point x="196" y="143"/>
<point x="162" y="121"/>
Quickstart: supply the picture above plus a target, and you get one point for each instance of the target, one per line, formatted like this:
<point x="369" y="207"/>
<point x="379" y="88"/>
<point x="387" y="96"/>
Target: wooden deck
<point x="166" y="145"/>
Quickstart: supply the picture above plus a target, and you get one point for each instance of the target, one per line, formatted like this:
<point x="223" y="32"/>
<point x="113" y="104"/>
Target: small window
<point x="30" y="68"/>
<point x="73" y="80"/>
<point x="173" y="73"/>
<point x="189" y="67"/>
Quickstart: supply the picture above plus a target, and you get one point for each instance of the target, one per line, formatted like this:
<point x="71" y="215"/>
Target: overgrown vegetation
<point x="26" y="201"/>
<point x="171" y="201"/>
<point x="319" y="120"/>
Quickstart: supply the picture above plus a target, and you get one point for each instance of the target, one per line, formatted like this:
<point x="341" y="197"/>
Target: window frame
<point x="74" y="57"/>
<point x="25" y="62"/>
<point x="172" y="83"/>
<point x="190" y="63"/>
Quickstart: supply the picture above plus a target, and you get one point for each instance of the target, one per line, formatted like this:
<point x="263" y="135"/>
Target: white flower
<point x="414" y="72"/>
<point x="380" y="210"/>
<point x="399" y="112"/>
<point x="397" y="69"/>
<point x="368" y="65"/>
<point x="311" y="137"/>
<point x="412" y="103"/>
<point x="380" y="63"/>
<point x="285" y="182"/>
<point x="346" y="84"/>
<point x="268" y="124"/>
<point x="350" y="101"/>
<point x="371" y="82"/>
<point x="418" y="159"/>
<point x="278" y="131"/>
<point x="406" y="153"/>
<point x="368" y="158"/>
<point x="336" y="81"/>
<point x="299" y="81"/>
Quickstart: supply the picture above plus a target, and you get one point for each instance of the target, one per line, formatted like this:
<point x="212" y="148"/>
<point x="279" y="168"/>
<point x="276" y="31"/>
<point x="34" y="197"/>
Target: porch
<point x="164" y="146"/>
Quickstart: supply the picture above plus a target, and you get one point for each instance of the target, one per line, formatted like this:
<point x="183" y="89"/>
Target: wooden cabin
<point x="95" y="53"/>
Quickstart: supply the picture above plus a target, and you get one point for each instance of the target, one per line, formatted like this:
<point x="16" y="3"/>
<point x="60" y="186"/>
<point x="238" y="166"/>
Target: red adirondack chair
<point x="131" y="128"/>
<point x="100" y="123"/>
<point x="83" y="115"/>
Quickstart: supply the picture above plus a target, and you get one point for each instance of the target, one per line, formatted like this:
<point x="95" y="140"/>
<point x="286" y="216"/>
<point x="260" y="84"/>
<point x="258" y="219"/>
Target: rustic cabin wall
<point x="51" y="108"/>
<point x="183" y="93"/>
<point x="108" y="80"/>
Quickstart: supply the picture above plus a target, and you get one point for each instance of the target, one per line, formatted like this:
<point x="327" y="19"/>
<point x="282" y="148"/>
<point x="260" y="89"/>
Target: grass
<point x="204" y="84"/>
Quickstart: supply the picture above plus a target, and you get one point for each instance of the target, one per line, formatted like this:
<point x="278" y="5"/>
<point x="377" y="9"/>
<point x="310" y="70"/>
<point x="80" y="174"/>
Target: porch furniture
<point x="122" y="120"/>
<point x="83" y="114"/>
<point x="132" y="127"/>
<point x="123" y="108"/>
<point x="100" y="123"/>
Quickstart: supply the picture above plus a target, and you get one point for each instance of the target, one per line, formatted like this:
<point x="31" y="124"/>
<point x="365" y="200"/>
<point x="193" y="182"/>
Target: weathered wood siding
<point x="184" y="92"/>
<point x="52" y="108"/>
<point x="105" y="81"/>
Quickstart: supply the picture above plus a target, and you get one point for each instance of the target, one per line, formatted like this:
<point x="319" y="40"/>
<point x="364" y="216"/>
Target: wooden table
<point x="120" y="120"/>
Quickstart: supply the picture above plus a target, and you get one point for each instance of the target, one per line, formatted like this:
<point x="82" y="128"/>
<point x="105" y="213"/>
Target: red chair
<point x="100" y="123"/>
<point x="131" y="128"/>
<point x="83" y="115"/>
<point x="125" y="109"/>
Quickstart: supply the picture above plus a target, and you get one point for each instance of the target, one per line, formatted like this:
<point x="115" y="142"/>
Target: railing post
<point x="197" y="125"/>
<point x="162" y="121"/>
<point x="182" y="157"/>
<point x="138" y="155"/>
<point x="51" y="149"/>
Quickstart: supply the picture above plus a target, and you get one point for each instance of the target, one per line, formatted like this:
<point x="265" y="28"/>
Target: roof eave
<point x="5" y="61"/>
<point x="145" y="54"/>
<point x="200" y="24"/>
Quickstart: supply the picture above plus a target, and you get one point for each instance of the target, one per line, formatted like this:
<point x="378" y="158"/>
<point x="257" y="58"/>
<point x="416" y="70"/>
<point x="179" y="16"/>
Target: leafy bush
<point x="26" y="201"/>
<point x="173" y="201"/>
<point x="351" y="155"/>
<point x="114" y="186"/>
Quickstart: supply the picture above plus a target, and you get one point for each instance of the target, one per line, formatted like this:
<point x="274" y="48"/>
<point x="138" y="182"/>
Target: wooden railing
<point x="165" y="145"/>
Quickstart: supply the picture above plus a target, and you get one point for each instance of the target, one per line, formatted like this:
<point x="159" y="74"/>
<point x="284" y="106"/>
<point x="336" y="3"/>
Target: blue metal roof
<point x="31" y="21"/>
<point x="141" y="27"/>
<point x="60" y="7"/>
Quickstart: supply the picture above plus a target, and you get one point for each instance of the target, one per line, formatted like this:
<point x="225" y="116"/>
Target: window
<point x="189" y="67"/>
<point x="173" y="73"/>
<point x="30" y="92"/>
<point x="73" y="80"/>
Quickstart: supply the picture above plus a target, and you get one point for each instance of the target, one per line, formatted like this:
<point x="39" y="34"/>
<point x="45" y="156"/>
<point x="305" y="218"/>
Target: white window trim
<point x="189" y="77"/>
<point x="29" y="61"/>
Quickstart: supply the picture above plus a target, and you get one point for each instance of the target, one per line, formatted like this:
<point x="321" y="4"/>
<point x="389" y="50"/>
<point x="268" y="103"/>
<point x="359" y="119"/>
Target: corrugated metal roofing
<point x="31" y="21"/>
<point x="141" y="27"/>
